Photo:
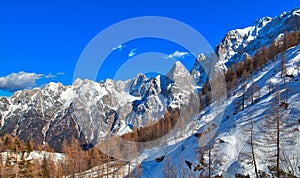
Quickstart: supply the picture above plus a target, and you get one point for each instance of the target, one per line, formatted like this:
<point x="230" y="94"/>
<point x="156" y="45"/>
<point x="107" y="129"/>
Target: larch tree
<point x="271" y="136"/>
<point x="248" y="152"/>
<point x="277" y="135"/>
<point x="76" y="158"/>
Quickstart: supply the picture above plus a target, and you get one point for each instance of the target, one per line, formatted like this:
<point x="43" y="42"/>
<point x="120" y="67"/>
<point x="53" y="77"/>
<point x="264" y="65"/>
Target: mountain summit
<point x="237" y="43"/>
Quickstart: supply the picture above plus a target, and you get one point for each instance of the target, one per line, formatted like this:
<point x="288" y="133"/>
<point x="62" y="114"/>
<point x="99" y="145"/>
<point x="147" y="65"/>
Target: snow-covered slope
<point x="231" y="138"/>
<point x="37" y="155"/>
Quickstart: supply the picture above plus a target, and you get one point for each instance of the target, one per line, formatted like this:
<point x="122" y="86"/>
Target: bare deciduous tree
<point x="248" y="152"/>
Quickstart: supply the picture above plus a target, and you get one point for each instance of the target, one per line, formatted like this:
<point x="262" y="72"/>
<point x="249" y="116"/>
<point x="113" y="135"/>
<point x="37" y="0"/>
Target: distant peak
<point x="140" y="75"/>
<point x="77" y="82"/>
<point x="201" y="57"/>
<point x="178" y="63"/>
<point x="178" y="66"/>
<point x="53" y="86"/>
<point x="177" y="69"/>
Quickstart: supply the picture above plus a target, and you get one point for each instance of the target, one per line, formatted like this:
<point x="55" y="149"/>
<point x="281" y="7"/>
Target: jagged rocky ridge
<point x="237" y="43"/>
<point x="89" y="110"/>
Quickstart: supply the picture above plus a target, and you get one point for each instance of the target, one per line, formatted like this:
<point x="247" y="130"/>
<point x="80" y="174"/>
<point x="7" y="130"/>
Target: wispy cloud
<point x="177" y="54"/>
<point x="19" y="81"/>
<point x="60" y="73"/>
<point x="119" y="48"/>
<point x="132" y="52"/>
<point x="50" y="75"/>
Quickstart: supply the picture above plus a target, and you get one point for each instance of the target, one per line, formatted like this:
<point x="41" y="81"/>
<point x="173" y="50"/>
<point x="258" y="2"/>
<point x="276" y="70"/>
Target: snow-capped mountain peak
<point x="237" y="43"/>
<point x="89" y="110"/>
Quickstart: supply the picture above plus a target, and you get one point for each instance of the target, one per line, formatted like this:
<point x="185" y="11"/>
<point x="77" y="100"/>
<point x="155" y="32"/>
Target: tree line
<point x="242" y="70"/>
<point x="15" y="160"/>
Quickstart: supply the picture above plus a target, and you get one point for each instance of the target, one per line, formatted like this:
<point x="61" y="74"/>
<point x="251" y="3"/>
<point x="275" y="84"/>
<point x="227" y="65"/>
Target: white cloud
<point x="119" y="48"/>
<point x="19" y="81"/>
<point x="132" y="52"/>
<point x="50" y="76"/>
<point x="60" y="73"/>
<point x="177" y="54"/>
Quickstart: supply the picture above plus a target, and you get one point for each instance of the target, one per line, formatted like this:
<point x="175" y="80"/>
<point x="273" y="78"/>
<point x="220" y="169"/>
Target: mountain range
<point x="90" y="111"/>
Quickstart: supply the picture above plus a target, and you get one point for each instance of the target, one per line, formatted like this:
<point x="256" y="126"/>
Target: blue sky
<point x="46" y="38"/>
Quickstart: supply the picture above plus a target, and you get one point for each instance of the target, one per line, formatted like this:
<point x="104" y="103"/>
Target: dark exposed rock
<point x="189" y="164"/>
<point x="160" y="159"/>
